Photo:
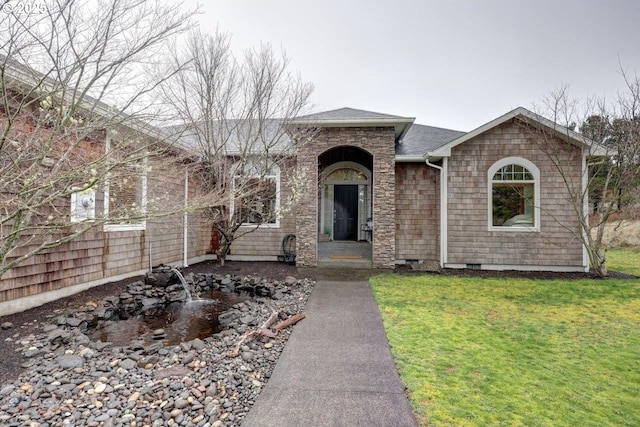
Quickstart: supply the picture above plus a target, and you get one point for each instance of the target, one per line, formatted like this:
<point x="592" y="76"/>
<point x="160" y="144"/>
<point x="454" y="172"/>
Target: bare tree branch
<point x="75" y="103"/>
<point x="612" y="177"/>
<point x="235" y="115"/>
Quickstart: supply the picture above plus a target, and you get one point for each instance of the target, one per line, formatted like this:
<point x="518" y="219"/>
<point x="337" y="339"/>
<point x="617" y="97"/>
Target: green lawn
<point x="515" y="352"/>
<point x="624" y="260"/>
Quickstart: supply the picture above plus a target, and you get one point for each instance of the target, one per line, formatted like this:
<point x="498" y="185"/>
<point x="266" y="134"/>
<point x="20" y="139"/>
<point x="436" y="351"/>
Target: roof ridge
<point x="346" y="113"/>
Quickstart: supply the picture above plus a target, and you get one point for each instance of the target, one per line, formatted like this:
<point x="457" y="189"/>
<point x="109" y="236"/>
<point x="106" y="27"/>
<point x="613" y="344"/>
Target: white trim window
<point x="514" y="195"/>
<point x="256" y="194"/>
<point x="125" y="198"/>
<point x="125" y="195"/>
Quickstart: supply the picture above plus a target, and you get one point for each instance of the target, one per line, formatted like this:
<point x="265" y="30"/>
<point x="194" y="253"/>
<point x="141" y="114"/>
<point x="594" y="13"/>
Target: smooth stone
<point x="198" y="344"/>
<point x="127" y="364"/>
<point x="8" y="389"/>
<point x="290" y="280"/>
<point x="70" y="361"/>
<point x="181" y="403"/>
<point x="6" y="325"/>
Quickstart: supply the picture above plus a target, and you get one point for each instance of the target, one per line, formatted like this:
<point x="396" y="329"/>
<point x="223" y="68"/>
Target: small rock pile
<point x="70" y="380"/>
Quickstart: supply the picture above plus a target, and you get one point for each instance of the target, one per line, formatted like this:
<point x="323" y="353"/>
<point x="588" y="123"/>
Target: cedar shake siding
<point x="417" y="212"/>
<point x="469" y="239"/>
<point x="99" y="255"/>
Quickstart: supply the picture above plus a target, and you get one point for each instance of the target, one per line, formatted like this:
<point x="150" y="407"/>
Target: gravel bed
<point x="70" y="380"/>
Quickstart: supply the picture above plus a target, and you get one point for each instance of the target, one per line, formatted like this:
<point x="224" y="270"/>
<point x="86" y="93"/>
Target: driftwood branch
<point x="292" y="320"/>
<point x="265" y="331"/>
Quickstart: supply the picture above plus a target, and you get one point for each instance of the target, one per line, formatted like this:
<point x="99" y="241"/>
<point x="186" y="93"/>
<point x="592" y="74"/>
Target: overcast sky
<point x="455" y="64"/>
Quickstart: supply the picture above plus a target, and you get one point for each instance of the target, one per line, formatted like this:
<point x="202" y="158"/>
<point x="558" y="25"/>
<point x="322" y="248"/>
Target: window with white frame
<point x="125" y="198"/>
<point x="256" y="194"/>
<point x="514" y="195"/>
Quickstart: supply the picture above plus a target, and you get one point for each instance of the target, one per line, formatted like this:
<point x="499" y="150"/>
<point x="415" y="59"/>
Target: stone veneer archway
<point x="379" y="142"/>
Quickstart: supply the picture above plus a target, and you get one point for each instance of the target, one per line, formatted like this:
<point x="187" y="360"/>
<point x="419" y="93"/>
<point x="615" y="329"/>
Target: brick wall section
<point x="470" y="242"/>
<point x="417" y="212"/>
<point x="380" y="143"/>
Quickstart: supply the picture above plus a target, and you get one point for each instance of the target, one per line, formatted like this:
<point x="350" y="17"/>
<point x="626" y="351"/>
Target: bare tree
<point x="75" y="98"/>
<point x="610" y="183"/>
<point x="236" y="115"/>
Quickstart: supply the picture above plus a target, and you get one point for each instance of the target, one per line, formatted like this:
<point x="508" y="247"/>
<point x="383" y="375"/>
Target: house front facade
<point x="495" y="198"/>
<point x="380" y="190"/>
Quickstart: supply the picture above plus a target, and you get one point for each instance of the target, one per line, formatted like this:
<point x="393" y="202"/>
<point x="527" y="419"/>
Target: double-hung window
<point x="125" y="195"/>
<point x="256" y="194"/>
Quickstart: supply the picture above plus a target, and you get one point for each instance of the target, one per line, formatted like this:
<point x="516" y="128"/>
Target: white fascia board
<point x="439" y="153"/>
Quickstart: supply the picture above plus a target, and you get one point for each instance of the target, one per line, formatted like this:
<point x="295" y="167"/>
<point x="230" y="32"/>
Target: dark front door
<point x="345" y="212"/>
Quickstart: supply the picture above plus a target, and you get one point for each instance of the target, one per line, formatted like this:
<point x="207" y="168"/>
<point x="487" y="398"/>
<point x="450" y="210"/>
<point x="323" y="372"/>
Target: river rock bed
<point x="70" y="380"/>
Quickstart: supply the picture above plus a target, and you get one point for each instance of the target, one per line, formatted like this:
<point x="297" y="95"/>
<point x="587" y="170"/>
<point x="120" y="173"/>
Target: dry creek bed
<point x="70" y="380"/>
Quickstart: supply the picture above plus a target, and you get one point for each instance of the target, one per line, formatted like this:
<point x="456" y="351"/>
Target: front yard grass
<point x="517" y="352"/>
<point x="624" y="260"/>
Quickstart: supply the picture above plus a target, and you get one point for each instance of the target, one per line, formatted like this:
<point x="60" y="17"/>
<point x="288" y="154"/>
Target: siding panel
<point x="470" y="241"/>
<point x="417" y="212"/>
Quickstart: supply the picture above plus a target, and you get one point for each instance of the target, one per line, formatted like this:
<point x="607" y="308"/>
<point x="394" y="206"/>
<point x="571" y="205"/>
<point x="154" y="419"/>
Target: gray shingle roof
<point x="353" y="117"/>
<point x="235" y="137"/>
<point x="421" y="139"/>
<point x="241" y="136"/>
<point x="347" y="114"/>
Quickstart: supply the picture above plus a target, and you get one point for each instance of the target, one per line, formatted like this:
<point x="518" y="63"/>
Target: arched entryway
<point x="346" y="202"/>
<point x="369" y="140"/>
<point x="345" y="220"/>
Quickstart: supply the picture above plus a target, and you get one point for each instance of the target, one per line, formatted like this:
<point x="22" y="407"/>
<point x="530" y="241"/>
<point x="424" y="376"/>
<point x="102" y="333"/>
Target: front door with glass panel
<point x="345" y="204"/>
<point x="345" y="215"/>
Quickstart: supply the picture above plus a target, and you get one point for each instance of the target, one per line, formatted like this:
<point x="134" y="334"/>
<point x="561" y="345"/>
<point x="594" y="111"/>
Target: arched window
<point x="256" y="194"/>
<point x="346" y="174"/>
<point x="514" y="195"/>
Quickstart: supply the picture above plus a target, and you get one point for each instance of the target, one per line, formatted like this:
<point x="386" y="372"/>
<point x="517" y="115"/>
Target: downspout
<point x="585" y="209"/>
<point x="443" y="208"/>
<point x="185" y="236"/>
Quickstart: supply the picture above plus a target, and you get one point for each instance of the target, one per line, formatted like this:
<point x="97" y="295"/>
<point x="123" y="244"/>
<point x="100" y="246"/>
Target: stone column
<point x="307" y="211"/>
<point x="384" y="208"/>
<point x="379" y="142"/>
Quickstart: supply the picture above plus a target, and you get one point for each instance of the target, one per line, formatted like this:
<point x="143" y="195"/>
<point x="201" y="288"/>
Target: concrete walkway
<point x="336" y="369"/>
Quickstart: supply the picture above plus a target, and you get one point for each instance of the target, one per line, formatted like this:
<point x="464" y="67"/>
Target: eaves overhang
<point x="400" y="124"/>
<point x="23" y="76"/>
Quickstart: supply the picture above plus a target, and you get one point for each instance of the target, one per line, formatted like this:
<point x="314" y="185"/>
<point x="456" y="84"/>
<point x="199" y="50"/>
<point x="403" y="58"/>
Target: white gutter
<point x="185" y="237"/>
<point x="409" y="159"/>
<point x="443" y="208"/>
